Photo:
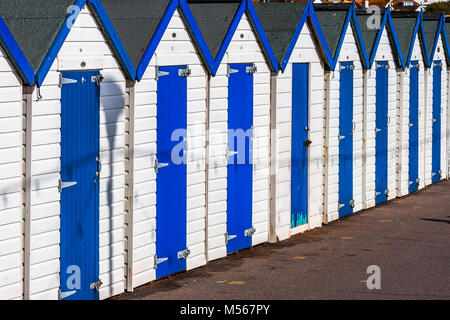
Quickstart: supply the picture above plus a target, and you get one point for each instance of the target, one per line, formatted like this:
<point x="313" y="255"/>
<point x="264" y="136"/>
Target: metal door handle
<point x="307" y="143"/>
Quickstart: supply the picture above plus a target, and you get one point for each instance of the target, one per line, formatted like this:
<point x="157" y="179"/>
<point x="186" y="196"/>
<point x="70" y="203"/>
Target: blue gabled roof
<point x="335" y="31"/>
<point x="283" y="23"/>
<point x="408" y="25"/>
<point x="440" y="30"/>
<point x="218" y="50"/>
<point x="372" y="37"/>
<point x="52" y="22"/>
<point x="15" y="54"/>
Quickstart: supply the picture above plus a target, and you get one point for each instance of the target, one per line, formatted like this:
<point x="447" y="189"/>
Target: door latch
<point x="386" y="192"/>
<point x="96" y="285"/>
<point x="62" y="185"/>
<point x="307" y="143"/>
<point x="352" y="203"/>
<point x="99" y="166"/>
<point x="184" y="72"/>
<point x="251" y="69"/>
<point x="159" y="165"/>
<point x="97" y="79"/>
<point x="250" y="232"/>
<point x="184" y="254"/>
<point x="229" y="237"/>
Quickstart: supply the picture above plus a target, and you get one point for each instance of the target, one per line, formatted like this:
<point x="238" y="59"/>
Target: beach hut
<point x="72" y="249"/>
<point x="297" y="116"/>
<point x="166" y="186"/>
<point x="435" y="116"/>
<point x="411" y="102"/>
<point x="380" y="137"/>
<point x="447" y="51"/>
<point x="238" y="126"/>
<point x="344" y="114"/>
<point x="16" y="77"/>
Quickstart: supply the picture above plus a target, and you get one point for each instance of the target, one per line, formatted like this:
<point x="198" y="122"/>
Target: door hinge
<point x="229" y="237"/>
<point x="63" y="81"/>
<point x="251" y="69"/>
<point x="159" y="165"/>
<point x="411" y="125"/>
<point x="183" y="254"/>
<point x="230" y="70"/>
<point x="160" y="73"/>
<point x="377" y="130"/>
<point x="97" y="79"/>
<point x="250" y="232"/>
<point x="341" y="205"/>
<point x="341" y="137"/>
<point x="63" y="295"/>
<point x="434" y="120"/>
<point x="159" y="260"/>
<point x="96" y="285"/>
<point x="377" y="193"/>
<point x="62" y="185"/>
<point x="184" y="72"/>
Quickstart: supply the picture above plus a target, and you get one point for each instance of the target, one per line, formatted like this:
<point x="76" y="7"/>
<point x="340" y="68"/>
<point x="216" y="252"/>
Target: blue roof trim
<point x="359" y="38"/>
<point x="341" y="38"/>
<point x="57" y="44"/>
<point x="387" y="19"/>
<point x="446" y="44"/>
<point x="395" y="38"/>
<point x="230" y="33"/>
<point x="436" y="37"/>
<point x="319" y="34"/>
<point x="15" y="54"/>
<point x="151" y="48"/>
<point x="114" y="38"/>
<point x="262" y="36"/>
<point x="287" y="55"/>
<point x="413" y="40"/>
<point x="198" y="37"/>
<point x="424" y="42"/>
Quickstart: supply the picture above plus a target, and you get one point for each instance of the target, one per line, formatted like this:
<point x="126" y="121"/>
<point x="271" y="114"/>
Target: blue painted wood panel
<point x="346" y="124"/>
<point x="299" y="144"/>
<point x="381" y="140"/>
<point x="413" y="127"/>
<point x="171" y="178"/>
<point x="79" y="250"/>
<point x="436" y="144"/>
<point x="240" y="166"/>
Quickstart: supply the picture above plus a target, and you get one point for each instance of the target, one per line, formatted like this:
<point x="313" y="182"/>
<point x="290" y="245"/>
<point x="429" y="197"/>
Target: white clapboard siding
<point x="384" y="53"/>
<point x="305" y="51"/>
<point x="171" y="51"/>
<point x="349" y="52"/>
<point x="244" y="48"/>
<point x="403" y="117"/>
<point x="85" y="42"/>
<point x="10" y="181"/>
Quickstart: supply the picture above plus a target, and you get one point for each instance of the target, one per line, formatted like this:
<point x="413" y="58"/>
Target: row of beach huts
<point x="142" y="138"/>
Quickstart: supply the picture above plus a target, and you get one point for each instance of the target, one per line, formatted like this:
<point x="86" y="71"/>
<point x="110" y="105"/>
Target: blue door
<point x="170" y="169"/>
<point x="299" y="144"/>
<point x="413" y="127"/>
<point x="240" y="155"/>
<point x="79" y="185"/>
<point x="436" y="157"/>
<point x="381" y="131"/>
<point x="346" y="202"/>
